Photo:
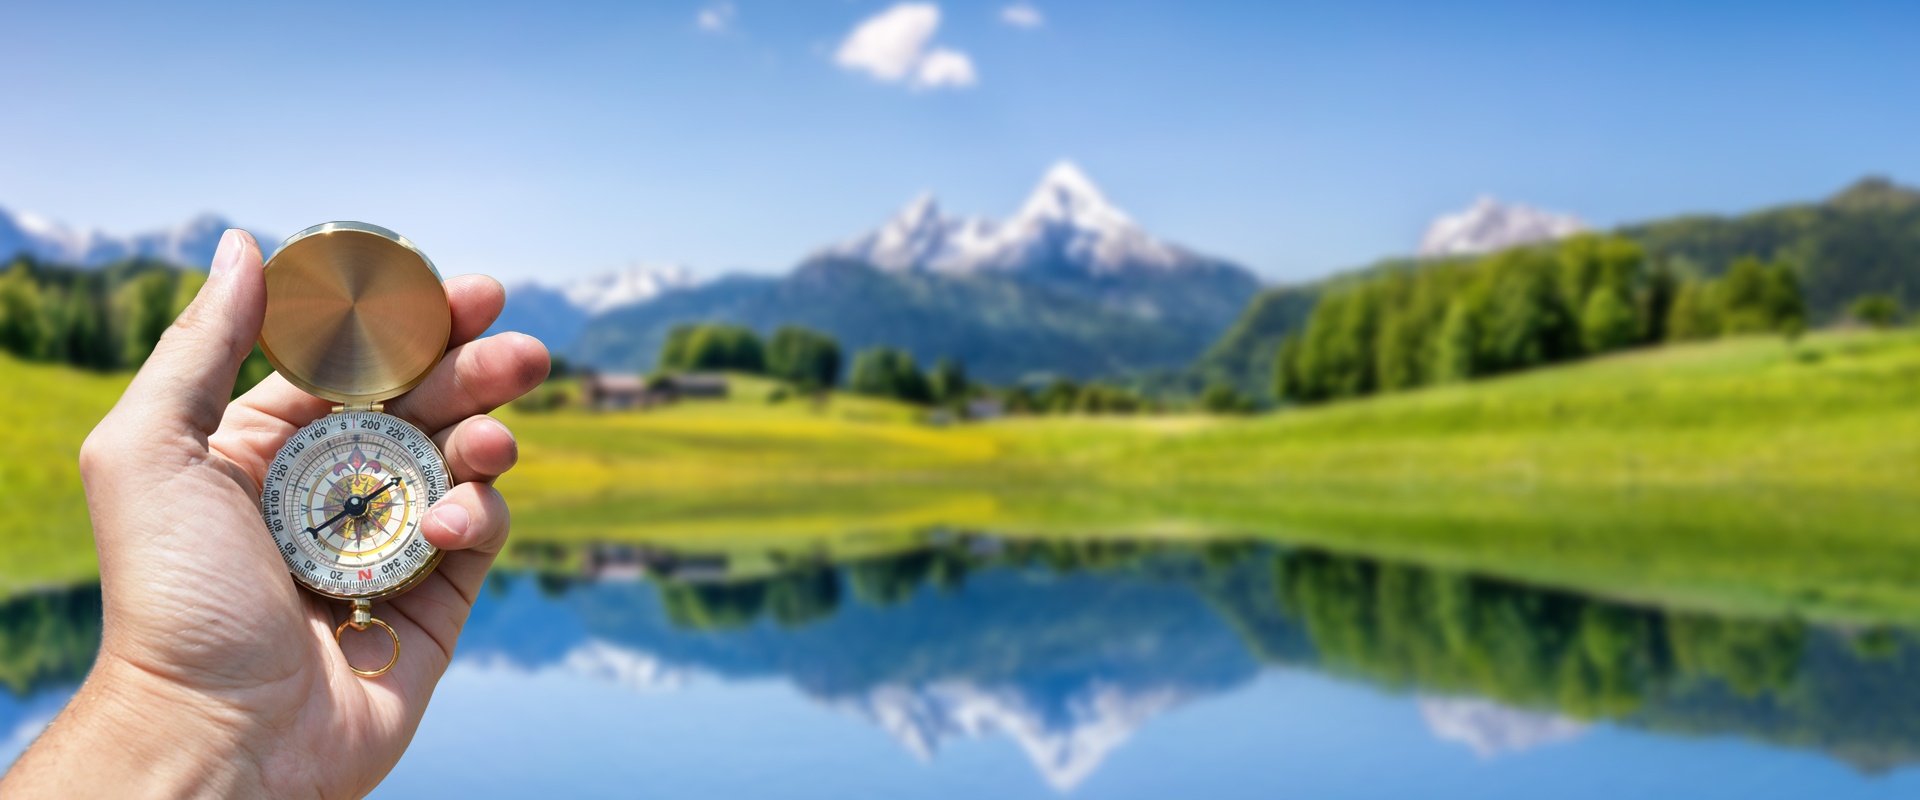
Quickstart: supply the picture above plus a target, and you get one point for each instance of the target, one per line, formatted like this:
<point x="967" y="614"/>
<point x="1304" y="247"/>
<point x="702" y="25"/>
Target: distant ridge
<point x="190" y="243"/>
<point x="1067" y="286"/>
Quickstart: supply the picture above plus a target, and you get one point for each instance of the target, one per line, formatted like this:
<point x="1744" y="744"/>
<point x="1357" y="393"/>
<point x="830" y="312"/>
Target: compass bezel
<point x="434" y="475"/>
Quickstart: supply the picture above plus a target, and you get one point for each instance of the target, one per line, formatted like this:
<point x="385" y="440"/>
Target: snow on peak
<point x="920" y="235"/>
<point x="635" y="284"/>
<point x="188" y="244"/>
<point x="1067" y="194"/>
<point x="1065" y="219"/>
<point x="1490" y="225"/>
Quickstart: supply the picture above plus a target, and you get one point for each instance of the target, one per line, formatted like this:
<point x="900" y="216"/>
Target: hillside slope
<point x="1865" y="239"/>
<point x="1741" y="475"/>
<point x="45" y="536"/>
<point x="1746" y="474"/>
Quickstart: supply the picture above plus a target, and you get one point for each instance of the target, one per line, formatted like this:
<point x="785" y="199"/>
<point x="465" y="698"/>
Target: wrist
<point x="131" y="733"/>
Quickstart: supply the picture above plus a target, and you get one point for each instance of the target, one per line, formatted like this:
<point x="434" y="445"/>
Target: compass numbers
<point x="344" y="500"/>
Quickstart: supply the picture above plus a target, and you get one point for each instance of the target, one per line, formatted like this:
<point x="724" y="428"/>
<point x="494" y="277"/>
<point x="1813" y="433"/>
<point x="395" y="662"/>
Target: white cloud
<point x="944" y="67"/>
<point x="717" y="17"/>
<point x="891" y="46"/>
<point x="1021" y="15"/>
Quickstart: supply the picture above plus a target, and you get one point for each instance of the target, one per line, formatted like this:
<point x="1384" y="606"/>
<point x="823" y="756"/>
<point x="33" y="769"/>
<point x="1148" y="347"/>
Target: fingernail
<point x="452" y="517"/>
<point x="227" y="255"/>
<point x="508" y="431"/>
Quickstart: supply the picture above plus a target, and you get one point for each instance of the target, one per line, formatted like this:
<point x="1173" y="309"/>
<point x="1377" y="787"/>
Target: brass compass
<point x="356" y="314"/>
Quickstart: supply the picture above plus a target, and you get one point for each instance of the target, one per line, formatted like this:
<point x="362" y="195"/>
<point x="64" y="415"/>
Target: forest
<point x="1519" y="308"/>
<point x="99" y="319"/>
<point x="810" y="362"/>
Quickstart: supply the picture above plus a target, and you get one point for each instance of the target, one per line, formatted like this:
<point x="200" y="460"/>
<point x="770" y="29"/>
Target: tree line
<point x="102" y="319"/>
<point x="811" y="362"/>
<point x="1519" y="308"/>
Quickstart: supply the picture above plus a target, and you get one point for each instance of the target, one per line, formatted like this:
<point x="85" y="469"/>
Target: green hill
<point x="1747" y="475"/>
<point x="1865" y="239"/>
<point x="45" y="538"/>
<point x="1741" y="474"/>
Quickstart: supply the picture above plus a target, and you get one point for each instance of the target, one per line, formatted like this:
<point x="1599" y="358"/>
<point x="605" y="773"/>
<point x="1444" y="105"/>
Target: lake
<point x="973" y="665"/>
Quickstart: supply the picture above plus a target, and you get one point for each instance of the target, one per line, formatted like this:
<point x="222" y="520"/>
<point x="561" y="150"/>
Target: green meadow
<point x="1745" y="475"/>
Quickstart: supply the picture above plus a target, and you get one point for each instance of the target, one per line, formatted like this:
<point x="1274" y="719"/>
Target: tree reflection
<point x="1397" y="625"/>
<point x="1448" y="632"/>
<point x="48" y="638"/>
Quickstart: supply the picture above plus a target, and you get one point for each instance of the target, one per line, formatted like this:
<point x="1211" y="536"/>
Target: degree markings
<point x="296" y="497"/>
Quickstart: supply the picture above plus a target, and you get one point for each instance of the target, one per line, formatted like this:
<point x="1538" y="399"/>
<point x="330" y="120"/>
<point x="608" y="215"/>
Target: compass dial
<point x="344" y="500"/>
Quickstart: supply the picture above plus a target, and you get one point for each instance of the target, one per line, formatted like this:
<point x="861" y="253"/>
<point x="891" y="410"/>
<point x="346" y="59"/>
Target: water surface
<point x="975" y="666"/>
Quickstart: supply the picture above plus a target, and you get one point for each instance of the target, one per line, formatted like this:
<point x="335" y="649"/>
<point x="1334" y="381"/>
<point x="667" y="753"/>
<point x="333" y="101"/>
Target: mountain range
<point x="1069" y="285"/>
<point x="190" y="243"/>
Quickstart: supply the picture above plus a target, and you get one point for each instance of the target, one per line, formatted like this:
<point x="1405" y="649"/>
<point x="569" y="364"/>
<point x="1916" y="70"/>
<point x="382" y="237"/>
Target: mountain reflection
<point x="1068" y="647"/>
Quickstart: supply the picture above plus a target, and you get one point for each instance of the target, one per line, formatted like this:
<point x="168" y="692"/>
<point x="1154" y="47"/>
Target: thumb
<point x="190" y="375"/>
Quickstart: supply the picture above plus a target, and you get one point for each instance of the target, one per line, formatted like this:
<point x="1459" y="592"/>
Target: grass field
<point x="1746" y="475"/>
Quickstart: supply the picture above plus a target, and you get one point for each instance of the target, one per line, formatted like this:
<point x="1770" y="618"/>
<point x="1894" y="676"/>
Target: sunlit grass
<point x="47" y="411"/>
<point x="1742" y="475"/>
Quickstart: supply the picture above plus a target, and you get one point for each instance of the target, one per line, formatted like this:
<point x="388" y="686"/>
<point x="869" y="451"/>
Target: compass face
<point x="344" y="500"/>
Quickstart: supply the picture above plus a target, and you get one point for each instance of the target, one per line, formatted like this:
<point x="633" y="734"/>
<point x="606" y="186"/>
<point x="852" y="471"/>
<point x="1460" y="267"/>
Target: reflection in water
<point x="1492" y="729"/>
<point x="47" y="643"/>
<point x="1069" y="648"/>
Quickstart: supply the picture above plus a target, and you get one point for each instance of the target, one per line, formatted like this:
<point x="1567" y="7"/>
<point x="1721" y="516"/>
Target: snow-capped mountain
<point x="190" y="243"/>
<point x="1066" y="220"/>
<point x="1490" y="225"/>
<point x="1067" y="286"/>
<point x="557" y="314"/>
<point x="635" y="284"/>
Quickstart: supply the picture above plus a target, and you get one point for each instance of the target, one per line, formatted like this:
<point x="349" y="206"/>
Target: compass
<point x="356" y="314"/>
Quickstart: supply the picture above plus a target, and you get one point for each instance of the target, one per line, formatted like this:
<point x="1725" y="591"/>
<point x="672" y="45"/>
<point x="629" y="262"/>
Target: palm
<point x="197" y="594"/>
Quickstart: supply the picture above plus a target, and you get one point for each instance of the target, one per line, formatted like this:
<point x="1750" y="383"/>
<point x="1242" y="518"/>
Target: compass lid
<point x="356" y="313"/>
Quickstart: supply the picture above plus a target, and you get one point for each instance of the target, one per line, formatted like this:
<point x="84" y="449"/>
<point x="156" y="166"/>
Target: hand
<point x="217" y="675"/>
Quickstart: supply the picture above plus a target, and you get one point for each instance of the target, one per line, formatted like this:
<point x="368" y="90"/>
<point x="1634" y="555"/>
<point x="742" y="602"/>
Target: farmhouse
<point x="616" y="391"/>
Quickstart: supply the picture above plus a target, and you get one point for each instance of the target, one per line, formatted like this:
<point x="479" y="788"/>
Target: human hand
<point x="217" y="675"/>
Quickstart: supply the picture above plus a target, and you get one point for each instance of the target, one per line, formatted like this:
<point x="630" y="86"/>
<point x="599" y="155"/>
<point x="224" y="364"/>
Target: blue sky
<point x="562" y="139"/>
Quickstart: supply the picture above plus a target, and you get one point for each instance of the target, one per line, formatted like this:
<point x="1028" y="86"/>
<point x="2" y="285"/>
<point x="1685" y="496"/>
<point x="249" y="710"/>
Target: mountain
<point x="190" y="243"/>
<point x="557" y="315"/>
<point x="1490" y="225"/>
<point x="636" y="284"/>
<point x="1069" y="286"/>
<point x="1065" y="224"/>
